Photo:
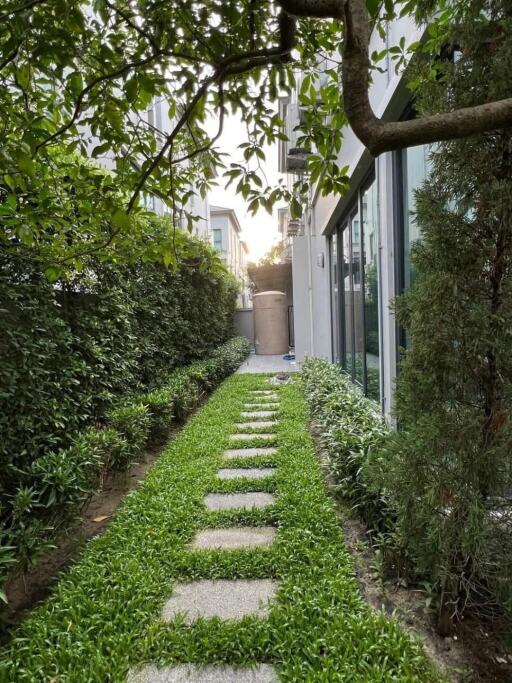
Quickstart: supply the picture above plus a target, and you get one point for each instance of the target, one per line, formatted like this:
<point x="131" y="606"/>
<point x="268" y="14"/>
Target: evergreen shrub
<point x="449" y="468"/>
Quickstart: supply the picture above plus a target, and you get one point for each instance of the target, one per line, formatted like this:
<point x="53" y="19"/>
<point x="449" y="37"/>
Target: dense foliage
<point x="72" y="349"/>
<point x="351" y="433"/>
<point x="104" y="616"/>
<point x="78" y="78"/>
<point x="73" y="345"/>
<point x="450" y="470"/>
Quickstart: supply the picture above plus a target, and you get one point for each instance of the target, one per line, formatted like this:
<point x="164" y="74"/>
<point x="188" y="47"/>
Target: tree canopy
<point x="77" y="76"/>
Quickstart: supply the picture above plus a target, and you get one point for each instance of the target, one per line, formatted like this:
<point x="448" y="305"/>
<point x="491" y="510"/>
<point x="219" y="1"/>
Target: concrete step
<point x="234" y="537"/>
<point x="223" y="599"/>
<point x="188" y="673"/>
<point x="246" y="472"/>
<point x="235" y="501"/>
<point x="231" y="453"/>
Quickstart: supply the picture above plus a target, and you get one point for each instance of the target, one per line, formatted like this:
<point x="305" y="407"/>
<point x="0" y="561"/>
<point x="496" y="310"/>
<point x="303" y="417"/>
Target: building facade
<point x="227" y="240"/>
<point x="351" y="256"/>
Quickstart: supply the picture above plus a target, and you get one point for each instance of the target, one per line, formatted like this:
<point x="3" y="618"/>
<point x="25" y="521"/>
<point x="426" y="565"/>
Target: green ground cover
<point x="103" y="617"/>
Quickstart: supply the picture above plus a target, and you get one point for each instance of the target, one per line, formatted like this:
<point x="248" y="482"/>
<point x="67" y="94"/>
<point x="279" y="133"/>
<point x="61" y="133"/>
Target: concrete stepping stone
<point x="235" y="501"/>
<point x="246" y="472"/>
<point x="265" y="392"/>
<point x="233" y="538"/>
<point x="249" y="437"/>
<point x="187" y="673"/>
<point x="261" y="406"/>
<point x="220" y="598"/>
<point x="258" y="424"/>
<point x="259" y="413"/>
<point x="231" y="453"/>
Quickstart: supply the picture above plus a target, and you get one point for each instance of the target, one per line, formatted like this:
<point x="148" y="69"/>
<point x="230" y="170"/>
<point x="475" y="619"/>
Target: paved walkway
<point x="238" y="598"/>
<point x="256" y="364"/>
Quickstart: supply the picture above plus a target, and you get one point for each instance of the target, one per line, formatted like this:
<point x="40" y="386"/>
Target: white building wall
<point x="311" y="283"/>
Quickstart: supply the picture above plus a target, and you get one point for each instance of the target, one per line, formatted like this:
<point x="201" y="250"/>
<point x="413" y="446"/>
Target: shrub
<point x="160" y="409"/>
<point x="352" y="434"/>
<point x="110" y="445"/>
<point x="133" y="423"/>
<point x="53" y="489"/>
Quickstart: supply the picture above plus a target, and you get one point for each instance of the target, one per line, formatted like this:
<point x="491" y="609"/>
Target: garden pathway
<point x="229" y="599"/>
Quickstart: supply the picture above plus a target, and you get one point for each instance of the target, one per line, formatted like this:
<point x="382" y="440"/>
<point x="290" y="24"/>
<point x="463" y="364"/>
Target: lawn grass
<point x="103" y="616"/>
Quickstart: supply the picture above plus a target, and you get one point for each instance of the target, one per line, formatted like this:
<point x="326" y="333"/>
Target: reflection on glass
<point x="335" y="300"/>
<point x="414" y="171"/>
<point x="371" y="290"/>
<point x="357" y="300"/>
<point x="347" y="305"/>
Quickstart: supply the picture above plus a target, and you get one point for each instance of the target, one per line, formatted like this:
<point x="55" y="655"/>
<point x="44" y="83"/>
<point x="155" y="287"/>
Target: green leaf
<point x="121" y="219"/>
<point x="295" y="208"/>
<point x="53" y="273"/>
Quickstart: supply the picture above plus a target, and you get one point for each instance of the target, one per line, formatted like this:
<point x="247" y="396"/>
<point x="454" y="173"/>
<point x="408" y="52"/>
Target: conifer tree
<point x="450" y="465"/>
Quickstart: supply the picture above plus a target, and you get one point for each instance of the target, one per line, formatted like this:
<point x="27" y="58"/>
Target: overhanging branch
<point x="380" y="136"/>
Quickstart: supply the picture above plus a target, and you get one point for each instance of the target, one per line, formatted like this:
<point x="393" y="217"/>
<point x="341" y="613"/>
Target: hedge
<point x="54" y="488"/>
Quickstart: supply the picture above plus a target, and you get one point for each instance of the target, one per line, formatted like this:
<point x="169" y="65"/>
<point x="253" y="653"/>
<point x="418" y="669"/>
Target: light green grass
<point x="103" y="617"/>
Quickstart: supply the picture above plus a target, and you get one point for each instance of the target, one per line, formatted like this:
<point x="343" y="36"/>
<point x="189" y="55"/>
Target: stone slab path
<point x="258" y="413"/>
<point x="228" y="599"/>
<point x="223" y="599"/>
<point x="246" y="472"/>
<point x="235" y="537"/>
<point x="232" y="453"/>
<point x="234" y="501"/>
<point x="252" y="436"/>
<point x="260" y="424"/>
<point x="209" y="674"/>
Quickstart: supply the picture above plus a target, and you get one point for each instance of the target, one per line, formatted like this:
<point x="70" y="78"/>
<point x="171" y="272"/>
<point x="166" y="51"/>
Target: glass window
<point x="371" y="289"/>
<point x="357" y="298"/>
<point x="414" y="171"/>
<point x="414" y="166"/>
<point x="347" y="305"/>
<point x="217" y="239"/>
<point x="335" y="321"/>
<point x="355" y="292"/>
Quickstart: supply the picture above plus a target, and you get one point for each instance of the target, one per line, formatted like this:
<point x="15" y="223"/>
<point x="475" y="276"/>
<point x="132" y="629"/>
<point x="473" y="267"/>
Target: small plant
<point x="132" y="421"/>
<point x="160" y="408"/>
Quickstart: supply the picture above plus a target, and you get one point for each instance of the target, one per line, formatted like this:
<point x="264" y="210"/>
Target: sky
<point x="259" y="231"/>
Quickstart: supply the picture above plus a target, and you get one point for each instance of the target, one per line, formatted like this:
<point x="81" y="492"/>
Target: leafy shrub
<point x="132" y="422"/>
<point x="111" y="447"/>
<point x="160" y="407"/>
<point x="53" y="489"/>
<point x="352" y="433"/>
<point x="185" y="394"/>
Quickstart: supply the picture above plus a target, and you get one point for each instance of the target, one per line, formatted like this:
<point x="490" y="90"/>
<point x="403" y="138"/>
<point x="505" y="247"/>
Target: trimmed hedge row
<point x="352" y="433"/>
<point x="57" y="485"/>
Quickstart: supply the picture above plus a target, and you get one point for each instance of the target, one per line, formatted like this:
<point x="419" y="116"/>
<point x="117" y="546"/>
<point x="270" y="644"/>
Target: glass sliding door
<point x="357" y="297"/>
<point x="371" y="288"/>
<point x="335" y="301"/>
<point x="347" y="306"/>
<point x="355" y="289"/>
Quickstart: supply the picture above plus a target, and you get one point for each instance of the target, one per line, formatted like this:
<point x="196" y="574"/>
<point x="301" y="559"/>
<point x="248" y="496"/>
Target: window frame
<point x="355" y="208"/>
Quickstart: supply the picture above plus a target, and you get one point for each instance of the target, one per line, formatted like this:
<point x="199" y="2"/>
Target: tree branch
<point x="228" y="67"/>
<point x="20" y="10"/>
<point x="380" y="136"/>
